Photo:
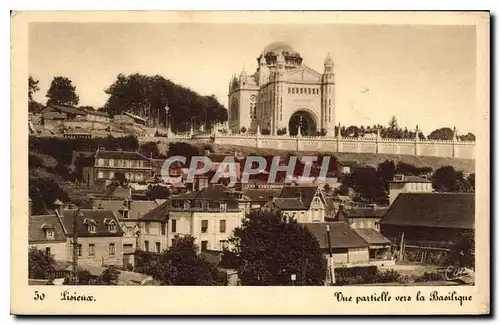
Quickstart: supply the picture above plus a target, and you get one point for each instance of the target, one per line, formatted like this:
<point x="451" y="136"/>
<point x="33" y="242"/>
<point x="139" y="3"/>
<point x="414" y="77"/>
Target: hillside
<point x="366" y="159"/>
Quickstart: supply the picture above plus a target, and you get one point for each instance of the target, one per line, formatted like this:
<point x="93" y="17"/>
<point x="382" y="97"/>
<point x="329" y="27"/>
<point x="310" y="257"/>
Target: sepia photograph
<point x="176" y="151"/>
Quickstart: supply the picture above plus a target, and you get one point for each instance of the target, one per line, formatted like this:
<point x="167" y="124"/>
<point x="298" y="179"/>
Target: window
<point x="91" y="227"/>
<point x="174" y="225"/>
<point x="158" y="247"/>
<point x="204" y="226"/>
<point x="112" y="227"/>
<point x="49" y="233"/>
<point x="100" y="162"/>
<point x="163" y="226"/>
<point x="91" y="249"/>
<point x="147" y="226"/>
<point x="100" y="175"/>
<point x="125" y="214"/>
<point x="204" y="245"/>
<point x="222" y="226"/>
<point x="47" y="250"/>
<point x="79" y="250"/>
<point x="146" y="245"/>
<point x="111" y="162"/>
<point x="111" y="174"/>
<point x="138" y="177"/>
<point x="112" y="249"/>
<point x="106" y="162"/>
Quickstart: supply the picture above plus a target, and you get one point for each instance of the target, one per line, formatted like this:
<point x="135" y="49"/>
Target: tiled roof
<point x="372" y="237"/>
<point x="256" y="194"/>
<point x="448" y="210"/>
<point x="341" y="235"/>
<point x="137" y="208"/>
<point x="160" y="213"/>
<point x="37" y="225"/>
<point x="89" y="215"/>
<point x="303" y="193"/>
<point x="364" y="212"/>
<point x="67" y="109"/>
<point x="289" y="204"/>
<point x="120" y="154"/>
<point x="215" y="192"/>
<point x="54" y="116"/>
<point x="96" y="112"/>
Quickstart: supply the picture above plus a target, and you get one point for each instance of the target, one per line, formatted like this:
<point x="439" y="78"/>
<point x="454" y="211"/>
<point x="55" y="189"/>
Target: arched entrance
<point x="302" y="120"/>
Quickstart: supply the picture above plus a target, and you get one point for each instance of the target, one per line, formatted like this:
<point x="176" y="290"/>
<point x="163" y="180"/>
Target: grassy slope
<point x="367" y="159"/>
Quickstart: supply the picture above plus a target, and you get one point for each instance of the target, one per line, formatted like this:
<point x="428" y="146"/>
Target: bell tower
<point x="328" y="97"/>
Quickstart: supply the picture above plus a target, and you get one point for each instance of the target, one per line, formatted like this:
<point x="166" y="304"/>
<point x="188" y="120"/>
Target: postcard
<point x="250" y="163"/>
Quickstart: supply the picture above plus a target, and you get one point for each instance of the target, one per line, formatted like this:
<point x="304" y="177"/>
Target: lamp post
<point x="332" y="271"/>
<point x="293" y="277"/>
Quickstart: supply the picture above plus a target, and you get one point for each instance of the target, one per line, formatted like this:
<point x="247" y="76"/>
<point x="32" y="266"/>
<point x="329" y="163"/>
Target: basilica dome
<point x="278" y="47"/>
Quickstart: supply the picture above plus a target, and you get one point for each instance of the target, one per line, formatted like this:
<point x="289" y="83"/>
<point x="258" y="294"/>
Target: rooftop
<point x="341" y="235"/>
<point x="38" y="224"/>
<point x="446" y="210"/>
<point x="101" y="219"/>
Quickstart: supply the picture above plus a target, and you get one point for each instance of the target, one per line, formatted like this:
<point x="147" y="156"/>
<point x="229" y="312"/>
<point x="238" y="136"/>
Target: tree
<point x="32" y="87"/>
<point x="441" y="134"/>
<point x="468" y="137"/>
<point x="40" y="264"/>
<point x="447" y="179"/>
<point x="243" y="130"/>
<point x="393" y="123"/>
<point x="109" y="276"/>
<point x="463" y="250"/>
<point x="270" y="248"/>
<point x="180" y="265"/>
<point x="62" y="92"/>
<point x="43" y="192"/>
<point x="472" y="180"/>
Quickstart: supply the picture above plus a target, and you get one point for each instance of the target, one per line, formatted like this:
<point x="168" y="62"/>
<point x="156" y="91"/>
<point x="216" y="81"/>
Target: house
<point x="408" y="184"/>
<point x="99" y="235"/>
<point x="429" y="219"/>
<point x="128" y="212"/>
<point x="107" y="163"/>
<point x="306" y="204"/>
<point x="361" y="217"/>
<point x="71" y="113"/>
<point x="255" y="198"/>
<point x="96" y="116"/>
<point x="379" y="247"/>
<point x="46" y="233"/>
<point x="347" y="247"/>
<point x="209" y="215"/>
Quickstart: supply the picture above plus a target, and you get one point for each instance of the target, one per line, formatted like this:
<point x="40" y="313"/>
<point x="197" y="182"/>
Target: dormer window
<point x="48" y="230"/>
<point x="112" y="227"/>
<point x="91" y="227"/>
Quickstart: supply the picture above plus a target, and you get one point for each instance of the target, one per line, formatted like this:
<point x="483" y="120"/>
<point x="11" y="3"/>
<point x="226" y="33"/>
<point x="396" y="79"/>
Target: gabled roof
<point x="446" y="210"/>
<point x="160" y="213"/>
<point x="303" y="193"/>
<point x="289" y="204"/>
<point x="96" y="112"/>
<point x="137" y="208"/>
<point x="67" y="109"/>
<point x="120" y="154"/>
<point x="89" y="215"/>
<point x="54" y="116"/>
<point x="372" y="237"/>
<point x="215" y="192"/>
<point x="341" y="235"/>
<point x="259" y="194"/>
<point x="37" y="224"/>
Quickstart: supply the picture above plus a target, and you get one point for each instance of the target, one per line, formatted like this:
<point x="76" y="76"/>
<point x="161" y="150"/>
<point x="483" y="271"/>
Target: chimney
<point x="92" y="202"/>
<point x="59" y="206"/>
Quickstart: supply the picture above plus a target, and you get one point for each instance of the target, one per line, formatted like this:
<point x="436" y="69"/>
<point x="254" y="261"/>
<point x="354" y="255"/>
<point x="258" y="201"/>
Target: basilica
<point x="283" y="96"/>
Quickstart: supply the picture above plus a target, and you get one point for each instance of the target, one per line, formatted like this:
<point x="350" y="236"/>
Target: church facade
<point x="283" y="96"/>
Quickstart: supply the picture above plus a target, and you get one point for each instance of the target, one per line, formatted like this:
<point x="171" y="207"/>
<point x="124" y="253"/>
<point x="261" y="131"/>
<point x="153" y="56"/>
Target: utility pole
<point x="401" y="247"/>
<point x="332" y="270"/>
<point x="75" y="246"/>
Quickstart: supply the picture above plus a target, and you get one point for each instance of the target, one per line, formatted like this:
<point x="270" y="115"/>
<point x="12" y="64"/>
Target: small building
<point x="361" y="217"/>
<point x="379" y="245"/>
<point x="107" y="163"/>
<point x="96" y="116"/>
<point x="152" y="229"/>
<point x="348" y="248"/>
<point x="429" y="219"/>
<point x="306" y="204"/>
<point x="408" y="184"/>
<point x="71" y="113"/>
<point x="46" y="233"/>
<point x="99" y="235"/>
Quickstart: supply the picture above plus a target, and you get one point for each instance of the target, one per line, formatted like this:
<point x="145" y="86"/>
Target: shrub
<point x="430" y="276"/>
<point x="243" y="130"/>
<point x="281" y="131"/>
<point x="265" y="132"/>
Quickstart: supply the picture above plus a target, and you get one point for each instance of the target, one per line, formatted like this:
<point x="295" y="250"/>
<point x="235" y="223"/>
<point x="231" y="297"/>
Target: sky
<point x="423" y="75"/>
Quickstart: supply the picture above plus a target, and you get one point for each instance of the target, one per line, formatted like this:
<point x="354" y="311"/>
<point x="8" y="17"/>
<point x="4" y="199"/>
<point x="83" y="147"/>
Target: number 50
<point x="39" y="296"/>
